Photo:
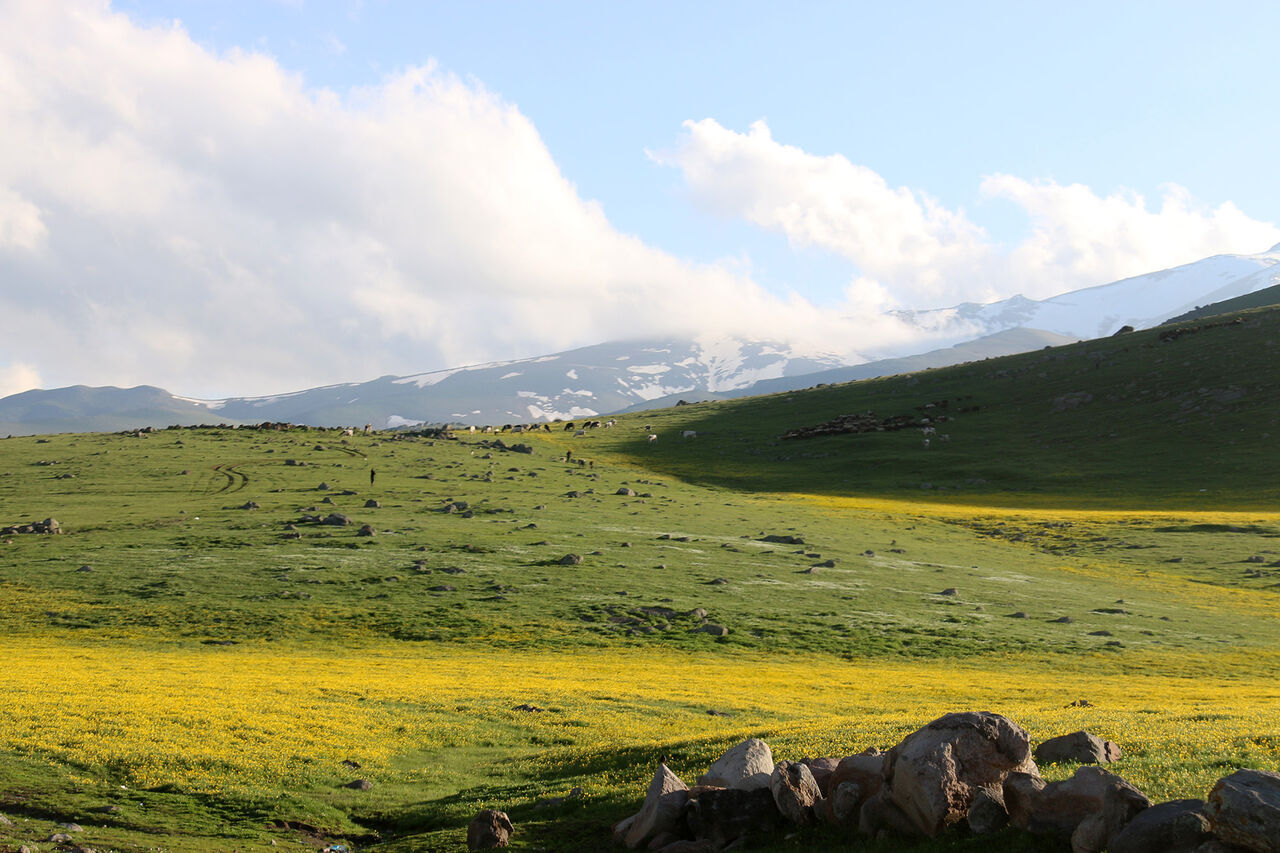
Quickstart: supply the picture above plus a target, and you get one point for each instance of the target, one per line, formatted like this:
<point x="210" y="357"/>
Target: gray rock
<point x="1244" y="809"/>
<point x="712" y="629"/>
<point x="823" y="769"/>
<point x="864" y="774"/>
<point x="570" y="560"/>
<point x="987" y="814"/>
<point x="794" y="791"/>
<point x="741" y="766"/>
<point x="843" y="804"/>
<point x="1081" y="747"/>
<point x="663" y="807"/>
<point x="359" y="785"/>
<point x="1178" y="826"/>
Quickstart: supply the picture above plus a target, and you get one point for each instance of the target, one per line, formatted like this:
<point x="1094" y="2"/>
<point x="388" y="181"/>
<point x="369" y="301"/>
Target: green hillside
<point x="1258" y="299"/>
<point x="1178" y="416"/>
<point x="200" y="651"/>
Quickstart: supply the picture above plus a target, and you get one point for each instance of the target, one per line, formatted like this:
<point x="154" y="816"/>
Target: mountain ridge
<point x="620" y="376"/>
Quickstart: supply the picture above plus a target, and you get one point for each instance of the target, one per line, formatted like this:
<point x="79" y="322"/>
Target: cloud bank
<point x="910" y="250"/>
<point x="211" y="224"/>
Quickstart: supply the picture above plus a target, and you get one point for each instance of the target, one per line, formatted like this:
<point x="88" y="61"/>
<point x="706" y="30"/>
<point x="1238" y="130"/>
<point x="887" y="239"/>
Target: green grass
<point x="1147" y="513"/>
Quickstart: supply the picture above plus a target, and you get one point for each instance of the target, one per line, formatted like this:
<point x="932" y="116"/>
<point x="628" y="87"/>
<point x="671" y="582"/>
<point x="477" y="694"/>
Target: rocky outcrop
<point x="48" y="526"/>
<point x="973" y="768"/>
<point x="1244" y="809"/>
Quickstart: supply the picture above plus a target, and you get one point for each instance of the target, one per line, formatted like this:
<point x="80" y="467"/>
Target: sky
<point x="237" y="198"/>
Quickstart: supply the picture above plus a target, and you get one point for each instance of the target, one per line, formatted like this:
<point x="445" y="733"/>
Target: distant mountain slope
<point x="580" y="383"/>
<point x="1142" y="301"/>
<point x="80" y="408"/>
<point x="1258" y="299"/>
<point x="1007" y="342"/>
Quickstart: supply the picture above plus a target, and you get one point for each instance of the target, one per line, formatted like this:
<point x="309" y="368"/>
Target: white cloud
<point x="21" y="226"/>
<point x="210" y="224"/>
<point x="910" y="250"/>
<point x="1079" y="238"/>
<point x="16" y="378"/>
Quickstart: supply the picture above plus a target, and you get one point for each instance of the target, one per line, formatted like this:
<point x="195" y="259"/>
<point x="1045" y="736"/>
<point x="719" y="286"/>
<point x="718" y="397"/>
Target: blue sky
<point x="932" y="96"/>
<point x="998" y="147"/>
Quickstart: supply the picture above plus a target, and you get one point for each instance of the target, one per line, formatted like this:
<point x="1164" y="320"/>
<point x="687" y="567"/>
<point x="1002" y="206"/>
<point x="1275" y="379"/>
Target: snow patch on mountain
<point x="1141" y="301"/>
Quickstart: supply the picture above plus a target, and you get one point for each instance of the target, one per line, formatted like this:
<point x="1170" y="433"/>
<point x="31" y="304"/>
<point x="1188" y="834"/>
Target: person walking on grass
<point x="372" y="475"/>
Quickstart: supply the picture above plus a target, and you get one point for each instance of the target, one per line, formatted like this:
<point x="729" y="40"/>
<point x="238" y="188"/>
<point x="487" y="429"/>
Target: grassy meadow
<point x="195" y="665"/>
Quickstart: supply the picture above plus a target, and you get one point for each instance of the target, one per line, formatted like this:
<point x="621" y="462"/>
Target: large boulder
<point x="1244" y="809"/>
<point x="727" y="815"/>
<point x="1092" y="807"/>
<point x="795" y="791"/>
<point x="662" y="810"/>
<point x="931" y="778"/>
<point x="489" y="829"/>
<point x="1078" y="747"/>
<point x="746" y="765"/>
<point x="1178" y="826"/>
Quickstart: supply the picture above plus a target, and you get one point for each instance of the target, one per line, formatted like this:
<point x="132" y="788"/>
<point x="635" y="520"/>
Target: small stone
<point x="359" y="785"/>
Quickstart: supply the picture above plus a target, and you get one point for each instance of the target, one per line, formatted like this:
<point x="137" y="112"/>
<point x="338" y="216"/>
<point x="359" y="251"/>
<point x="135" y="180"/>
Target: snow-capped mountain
<point x="1142" y="301"/>
<point x="580" y="383"/>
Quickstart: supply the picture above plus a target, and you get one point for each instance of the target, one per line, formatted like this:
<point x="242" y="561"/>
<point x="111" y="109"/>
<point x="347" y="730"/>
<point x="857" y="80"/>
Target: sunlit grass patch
<point x="247" y="720"/>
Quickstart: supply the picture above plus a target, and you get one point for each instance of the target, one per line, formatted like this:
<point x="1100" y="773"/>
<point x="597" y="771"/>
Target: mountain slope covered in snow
<point x="1141" y="301"/>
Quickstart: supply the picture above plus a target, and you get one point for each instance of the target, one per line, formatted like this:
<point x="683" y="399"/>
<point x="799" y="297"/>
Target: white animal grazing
<point x="689" y="433"/>
<point x="652" y="437"/>
<point x="926" y="444"/>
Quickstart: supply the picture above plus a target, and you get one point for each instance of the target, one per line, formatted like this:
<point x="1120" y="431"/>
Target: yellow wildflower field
<point x="239" y="719"/>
